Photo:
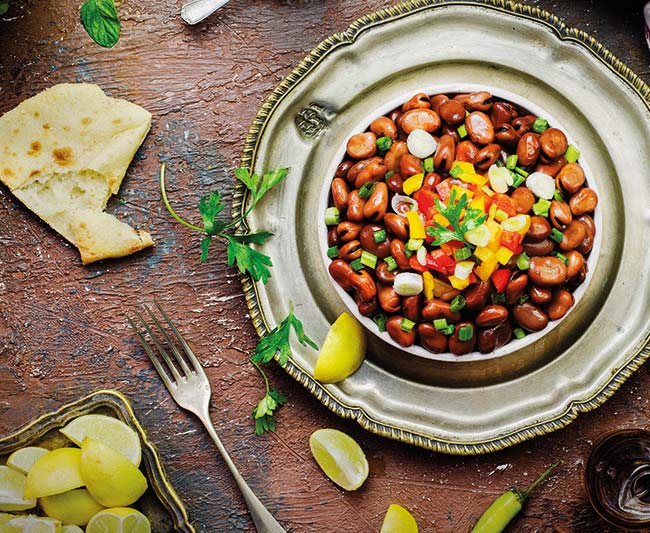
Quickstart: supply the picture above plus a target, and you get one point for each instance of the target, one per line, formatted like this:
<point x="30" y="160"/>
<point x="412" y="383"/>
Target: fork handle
<point x="263" y="519"/>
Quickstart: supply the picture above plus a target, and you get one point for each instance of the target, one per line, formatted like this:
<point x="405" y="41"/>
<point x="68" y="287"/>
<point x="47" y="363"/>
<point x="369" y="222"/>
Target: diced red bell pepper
<point x="444" y="189"/>
<point x="505" y="203"/>
<point x="440" y="262"/>
<point x="501" y="278"/>
<point x="426" y="201"/>
<point x="416" y="265"/>
<point x="511" y="240"/>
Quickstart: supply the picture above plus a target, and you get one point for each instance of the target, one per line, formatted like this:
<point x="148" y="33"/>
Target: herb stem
<point x="259" y="369"/>
<point x="168" y="205"/>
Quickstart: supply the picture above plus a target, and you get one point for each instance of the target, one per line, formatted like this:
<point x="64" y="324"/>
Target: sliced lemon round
<point x="119" y="520"/>
<point x="71" y="529"/>
<point x="340" y="457"/>
<point x="31" y="524"/>
<point x="109" y="431"/>
<point x="12" y="490"/>
<point x="111" y="478"/>
<point x="56" y="472"/>
<point x="343" y="350"/>
<point x="74" y="507"/>
<point x="22" y="460"/>
<point x="398" y="520"/>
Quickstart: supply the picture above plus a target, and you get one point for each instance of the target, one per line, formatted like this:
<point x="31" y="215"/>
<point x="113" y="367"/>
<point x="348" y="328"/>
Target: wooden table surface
<point x="63" y="332"/>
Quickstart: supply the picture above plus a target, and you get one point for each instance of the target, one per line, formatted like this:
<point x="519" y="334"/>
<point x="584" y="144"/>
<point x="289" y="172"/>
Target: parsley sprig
<point x="453" y="212"/>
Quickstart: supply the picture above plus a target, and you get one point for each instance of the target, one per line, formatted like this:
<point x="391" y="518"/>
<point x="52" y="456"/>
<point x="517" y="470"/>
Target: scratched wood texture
<point x="62" y="328"/>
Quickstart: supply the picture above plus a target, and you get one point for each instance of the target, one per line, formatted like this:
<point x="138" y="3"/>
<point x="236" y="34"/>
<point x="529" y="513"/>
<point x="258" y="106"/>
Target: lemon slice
<point x="22" y="460"/>
<point x="111" y="478"/>
<point x="109" y="431"/>
<point x="340" y="457"/>
<point x="31" y="524"/>
<point x="119" y="520"/>
<point x="398" y="520"/>
<point x="12" y="489"/>
<point x="74" y="507"/>
<point x="342" y="352"/>
<point x="71" y="529"/>
<point x="56" y="472"/>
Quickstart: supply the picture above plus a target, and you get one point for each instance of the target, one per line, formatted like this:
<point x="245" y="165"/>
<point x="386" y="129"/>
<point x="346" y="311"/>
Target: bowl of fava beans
<point x="460" y="223"/>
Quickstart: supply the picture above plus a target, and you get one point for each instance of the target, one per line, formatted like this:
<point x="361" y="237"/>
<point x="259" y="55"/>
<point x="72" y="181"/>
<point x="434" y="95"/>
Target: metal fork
<point x="189" y="386"/>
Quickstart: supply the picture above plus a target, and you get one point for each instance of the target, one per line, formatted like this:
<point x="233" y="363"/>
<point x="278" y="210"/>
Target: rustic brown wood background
<point x="63" y="332"/>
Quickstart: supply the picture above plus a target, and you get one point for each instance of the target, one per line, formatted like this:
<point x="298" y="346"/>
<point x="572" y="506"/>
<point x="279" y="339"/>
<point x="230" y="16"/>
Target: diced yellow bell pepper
<point x="487" y="268"/>
<point x="412" y="184"/>
<point x="416" y="227"/>
<point x="478" y="203"/>
<point x="464" y="166"/>
<point x="474" y="179"/>
<point x="483" y="253"/>
<point x="492" y="211"/>
<point x="496" y="230"/>
<point x="458" y="283"/>
<point x="460" y="191"/>
<point x="501" y="215"/>
<point x="504" y="254"/>
<point x="429" y="282"/>
<point x="441" y="219"/>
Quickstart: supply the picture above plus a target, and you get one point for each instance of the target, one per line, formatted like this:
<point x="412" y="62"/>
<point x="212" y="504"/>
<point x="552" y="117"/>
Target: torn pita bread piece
<point x="63" y="153"/>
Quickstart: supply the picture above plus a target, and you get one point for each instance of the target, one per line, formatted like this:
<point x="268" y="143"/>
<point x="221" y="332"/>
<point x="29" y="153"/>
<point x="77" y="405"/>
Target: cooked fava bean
<point x="401" y="337"/>
<point x="560" y="304"/>
<point x="476" y="295"/>
<point x="410" y="165"/>
<point x="369" y="308"/>
<point x="452" y="112"/>
<point x="524" y="199"/>
<point x="560" y="214"/>
<point x="355" y="206"/>
<point x="462" y="347"/>
<point x="487" y="156"/>
<point x="356" y="169"/>
<point x="350" y="251"/>
<point x="553" y="143"/>
<point x="397" y="225"/>
<point x="397" y="251"/>
<point x="431" y="181"/>
<point x="383" y="274"/>
<point x="364" y="285"/>
<point x="411" y="307"/>
<point x="466" y="151"/>
<point x="343" y="273"/>
<point x="571" y="178"/>
<point x="417" y="101"/>
<point x="488" y="340"/>
<point x="523" y="125"/>
<point x="374" y="171"/>
<point x="492" y="315"/>
<point x="530" y="317"/>
<point x="395" y="184"/>
<point x="540" y="295"/>
<point x="376" y="206"/>
<point x="436" y="308"/>
<point x="394" y="115"/>
<point x="349" y="231"/>
<point x="586" y="245"/>
<point x="584" y="201"/>
<point x="528" y="149"/>
<point x="394" y="155"/>
<point x="437" y="101"/>
<point x="369" y="243"/>
<point x="506" y="135"/>
<point x="342" y="169"/>
<point x="340" y="192"/>
<point x="552" y="168"/>
<point x="578" y="279"/>
<point x="446" y="129"/>
<point x="476" y="101"/>
<point x="479" y="128"/>
<point x="573" y="236"/>
<point x="333" y="237"/>
<point x="538" y="249"/>
<point x="539" y="229"/>
<point x="384" y="127"/>
<point x="419" y="119"/>
<point x="362" y="145"/>
<point x="445" y="153"/>
<point x="515" y="289"/>
<point x="431" y="338"/>
<point x="547" y="271"/>
<point x="389" y="300"/>
<point x="575" y="261"/>
<point x="502" y="113"/>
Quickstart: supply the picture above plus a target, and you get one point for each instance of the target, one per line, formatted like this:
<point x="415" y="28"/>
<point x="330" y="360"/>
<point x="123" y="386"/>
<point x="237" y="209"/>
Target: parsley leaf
<point x="264" y="411"/>
<point x="256" y="238"/>
<point x="99" y="18"/>
<point x="248" y="260"/>
<point x="453" y="212"/>
<point x="210" y="207"/>
<point x="277" y="342"/>
<point x="259" y="187"/>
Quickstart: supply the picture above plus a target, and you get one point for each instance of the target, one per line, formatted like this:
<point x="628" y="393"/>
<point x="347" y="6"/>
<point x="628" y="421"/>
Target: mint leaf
<point x="99" y="18"/>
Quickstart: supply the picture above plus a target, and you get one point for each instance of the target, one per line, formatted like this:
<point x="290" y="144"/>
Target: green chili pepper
<point x="497" y="517"/>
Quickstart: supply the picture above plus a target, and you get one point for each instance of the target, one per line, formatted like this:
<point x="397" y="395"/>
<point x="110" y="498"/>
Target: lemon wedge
<point x="398" y="520"/>
<point x="56" y="472"/>
<point x="74" y="507"/>
<point x="12" y="489"/>
<point x="342" y="352"/>
<point x="109" y="431"/>
<point x="31" y="524"/>
<point x="119" y="520"/>
<point x="71" y="529"/>
<point x="111" y="479"/>
<point x="340" y="457"/>
<point x="23" y="459"/>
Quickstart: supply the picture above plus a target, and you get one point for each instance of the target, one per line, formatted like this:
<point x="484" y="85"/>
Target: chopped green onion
<point x="462" y="131"/>
<point x="392" y="264"/>
<point x="379" y="235"/>
<point x="456" y="171"/>
<point x="427" y="164"/>
<point x="406" y="325"/>
<point x="384" y="143"/>
<point x="523" y="261"/>
<point x="440" y="323"/>
<point x="449" y="330"/>
<point x="556" y="235"/>
<point x="368" y="259"/>
<point x="356" y="264"/>
<point x="466" y="333"/>
<point x="332" y="216"/>
<point x="389" y="174"/>
<point x="460" y="254"/>
<point x="521" y="172"/>
<point x="572" y="154"/>
<point x="333" y="252"/>
<point x="499" y="163"/>
<point x="541" y="207"/>
<point x="557" y="195"/>
<point x="518" y="333"/>
<point x="366" y="189"/>
<point x="518" y="181"/>
<point x="497" y="298"/>
<point x="457" y="303"/>
<point x="408" y="252"/>
<point x="540" y="125"/>
<point x="562" y="258"/>
<point x="523" y="298"/>
<point x="414" y="244"/>
<point x="511" y="162"/>
<point x="380" y="320"/>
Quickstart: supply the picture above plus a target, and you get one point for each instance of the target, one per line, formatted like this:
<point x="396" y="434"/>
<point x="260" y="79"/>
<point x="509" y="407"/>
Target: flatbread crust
<point x="63" y="153"/>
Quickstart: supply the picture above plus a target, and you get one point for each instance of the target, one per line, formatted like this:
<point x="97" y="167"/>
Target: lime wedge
<point x="22" y="460"/>
<point x="119" y="520"/>
<point x="56" y="472"/>
<point x="343" y="350"/>
<point x="31" y="524"/>
<point x="398" y="520"/>
<point x="109" y="431"/>
<point x="72" y="529"/>
<point x="74" y="507"/>
<point x="340" y="457"/>
<point x="12" y="489"/>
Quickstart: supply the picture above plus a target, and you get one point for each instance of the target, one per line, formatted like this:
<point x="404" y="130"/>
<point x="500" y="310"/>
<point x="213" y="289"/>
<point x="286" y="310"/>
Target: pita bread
<point x="63" y="153"/>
